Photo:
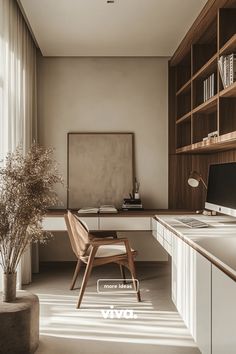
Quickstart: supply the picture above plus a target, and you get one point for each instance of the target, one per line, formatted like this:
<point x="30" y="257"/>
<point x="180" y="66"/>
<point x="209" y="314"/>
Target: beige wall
<point x="109" y="95"/>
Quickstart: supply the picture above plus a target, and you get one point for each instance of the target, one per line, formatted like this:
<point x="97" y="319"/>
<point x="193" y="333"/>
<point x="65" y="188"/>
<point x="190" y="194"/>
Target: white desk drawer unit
<point x="125" y="223"/>
<point x="162" y="235"/>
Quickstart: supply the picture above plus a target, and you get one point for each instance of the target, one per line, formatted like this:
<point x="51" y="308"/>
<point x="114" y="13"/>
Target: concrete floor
<point x="156" y="328"/>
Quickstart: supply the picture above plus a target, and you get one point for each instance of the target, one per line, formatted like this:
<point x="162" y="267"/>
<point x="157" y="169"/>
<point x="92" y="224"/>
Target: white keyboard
<point x="191" y="222"/>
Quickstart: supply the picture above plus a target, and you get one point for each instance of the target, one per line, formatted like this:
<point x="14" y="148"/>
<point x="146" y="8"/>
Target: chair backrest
<point x="79" y="236"/>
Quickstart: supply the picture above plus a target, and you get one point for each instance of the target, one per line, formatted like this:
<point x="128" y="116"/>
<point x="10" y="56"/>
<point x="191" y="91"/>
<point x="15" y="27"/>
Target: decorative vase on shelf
<point x="9" y="287"/>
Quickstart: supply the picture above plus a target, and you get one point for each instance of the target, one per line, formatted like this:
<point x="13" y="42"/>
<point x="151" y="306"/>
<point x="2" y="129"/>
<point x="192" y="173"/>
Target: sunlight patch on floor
<point x="59" y="318"/>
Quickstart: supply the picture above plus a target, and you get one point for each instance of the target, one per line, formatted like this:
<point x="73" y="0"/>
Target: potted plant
<point x="26" y="191"/>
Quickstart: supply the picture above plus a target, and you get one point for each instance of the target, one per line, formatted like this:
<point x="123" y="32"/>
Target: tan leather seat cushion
<point x="111" y="250"/>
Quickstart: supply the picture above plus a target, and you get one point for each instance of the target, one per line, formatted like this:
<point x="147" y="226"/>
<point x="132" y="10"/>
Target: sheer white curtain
<point x="17" y="91"/>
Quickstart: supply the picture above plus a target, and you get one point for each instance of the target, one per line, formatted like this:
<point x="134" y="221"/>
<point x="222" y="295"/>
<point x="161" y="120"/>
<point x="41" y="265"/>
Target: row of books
<point x="227" y="69"/>
<point x="103" y="209"/>
<point x="209" y="87"/>
<point x="132" y="204"/>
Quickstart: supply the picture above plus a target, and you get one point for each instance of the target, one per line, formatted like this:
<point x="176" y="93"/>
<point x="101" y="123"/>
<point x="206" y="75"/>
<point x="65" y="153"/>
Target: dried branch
<point x="26" y="192"/>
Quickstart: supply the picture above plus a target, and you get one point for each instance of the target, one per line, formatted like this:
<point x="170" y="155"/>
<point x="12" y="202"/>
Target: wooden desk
<point x="136" y="225"/>
<point x="122" y="221"/>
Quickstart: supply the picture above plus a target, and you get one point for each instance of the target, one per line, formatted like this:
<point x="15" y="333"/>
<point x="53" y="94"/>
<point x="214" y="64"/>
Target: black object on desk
<point x="132" y="204"/>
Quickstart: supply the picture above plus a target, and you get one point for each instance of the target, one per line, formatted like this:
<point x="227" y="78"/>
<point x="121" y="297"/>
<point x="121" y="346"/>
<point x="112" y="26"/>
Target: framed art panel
<point x="100" y="169"/>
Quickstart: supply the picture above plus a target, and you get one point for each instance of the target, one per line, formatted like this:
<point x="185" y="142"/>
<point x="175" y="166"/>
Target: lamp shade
<point x="194" y="179"/>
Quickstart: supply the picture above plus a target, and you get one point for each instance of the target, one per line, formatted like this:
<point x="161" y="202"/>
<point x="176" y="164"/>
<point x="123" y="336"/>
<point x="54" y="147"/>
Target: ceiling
<point x="95" y="28"/>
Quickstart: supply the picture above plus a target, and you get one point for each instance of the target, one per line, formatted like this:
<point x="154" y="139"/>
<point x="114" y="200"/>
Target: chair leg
<point x="76" y="273"/>
<point x="133" y="271"/>
<point x="86" y="275"/>
<point x="133" y="274"/>
<point x="122" y="272"/>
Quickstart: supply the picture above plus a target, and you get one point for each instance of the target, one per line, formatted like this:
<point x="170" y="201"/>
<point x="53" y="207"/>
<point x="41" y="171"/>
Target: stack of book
<point x="209" y="87"/>
<point x="132" y="204"/>
<point x="227" y="69"/>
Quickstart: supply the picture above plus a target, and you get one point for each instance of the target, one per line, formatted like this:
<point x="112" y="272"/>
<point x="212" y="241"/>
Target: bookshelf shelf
<point x="223" y="142"/>
<point x="208" y="106"/>
<point x="184" y="88"/>
<point x="229" y="46"/>
<point x="184" y="118"/>
<point x="195" y="118"/>
<point x="207" y="68"/>
<point x="229" y="91"/>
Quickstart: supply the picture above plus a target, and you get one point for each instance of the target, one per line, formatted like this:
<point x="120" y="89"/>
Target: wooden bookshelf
<point x="191" y="118"/>
<point x="194" y="115"/>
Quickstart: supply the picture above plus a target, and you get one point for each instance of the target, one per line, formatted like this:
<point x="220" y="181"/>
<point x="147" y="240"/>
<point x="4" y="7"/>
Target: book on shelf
<point x="110" y="209"/>
<point x="209" y="87"/>
<point x="227" y="69"/>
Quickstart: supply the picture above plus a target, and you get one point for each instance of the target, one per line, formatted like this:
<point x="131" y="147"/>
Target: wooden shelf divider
<point x="184" y="118"/>
<point x="207" y="106"/>
<point x="229" y="47"/>
<point x="207" y="68"/>
<point x="184" y="88"/>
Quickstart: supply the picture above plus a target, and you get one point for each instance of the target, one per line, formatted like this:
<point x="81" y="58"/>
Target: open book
<point x="110" y="209"/>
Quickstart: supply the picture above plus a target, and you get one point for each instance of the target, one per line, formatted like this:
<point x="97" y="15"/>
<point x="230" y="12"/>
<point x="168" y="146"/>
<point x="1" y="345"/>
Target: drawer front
<point x="154" y="234"/>
<point x="57" y="223"/>
<point x="168" y="236"/>
<point x="160" y="239"/>
<point x="157" y="232"/>
<point x="54" y="223"/>
<point x="168" y="247"/>
<point x="160" y="228"/>
<point x="91" y="222"/>
<point x="125" y="223"/>
<point x="154" y="224"/>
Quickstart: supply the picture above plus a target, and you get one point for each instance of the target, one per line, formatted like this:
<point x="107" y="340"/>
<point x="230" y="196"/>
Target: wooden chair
<point x="97" y="251"/>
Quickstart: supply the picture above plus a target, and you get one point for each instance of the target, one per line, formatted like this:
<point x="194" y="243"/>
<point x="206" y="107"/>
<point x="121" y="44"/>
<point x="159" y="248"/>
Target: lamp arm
<point x="203" y="182"/>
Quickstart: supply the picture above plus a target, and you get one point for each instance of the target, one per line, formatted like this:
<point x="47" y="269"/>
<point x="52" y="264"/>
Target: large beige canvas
<point x="100" y="169"/>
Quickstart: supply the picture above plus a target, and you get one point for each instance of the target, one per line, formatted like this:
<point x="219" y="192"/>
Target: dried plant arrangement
<point x="26" y="192"/>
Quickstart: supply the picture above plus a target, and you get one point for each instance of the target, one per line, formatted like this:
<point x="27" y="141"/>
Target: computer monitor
<point x="221" y="189"/>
